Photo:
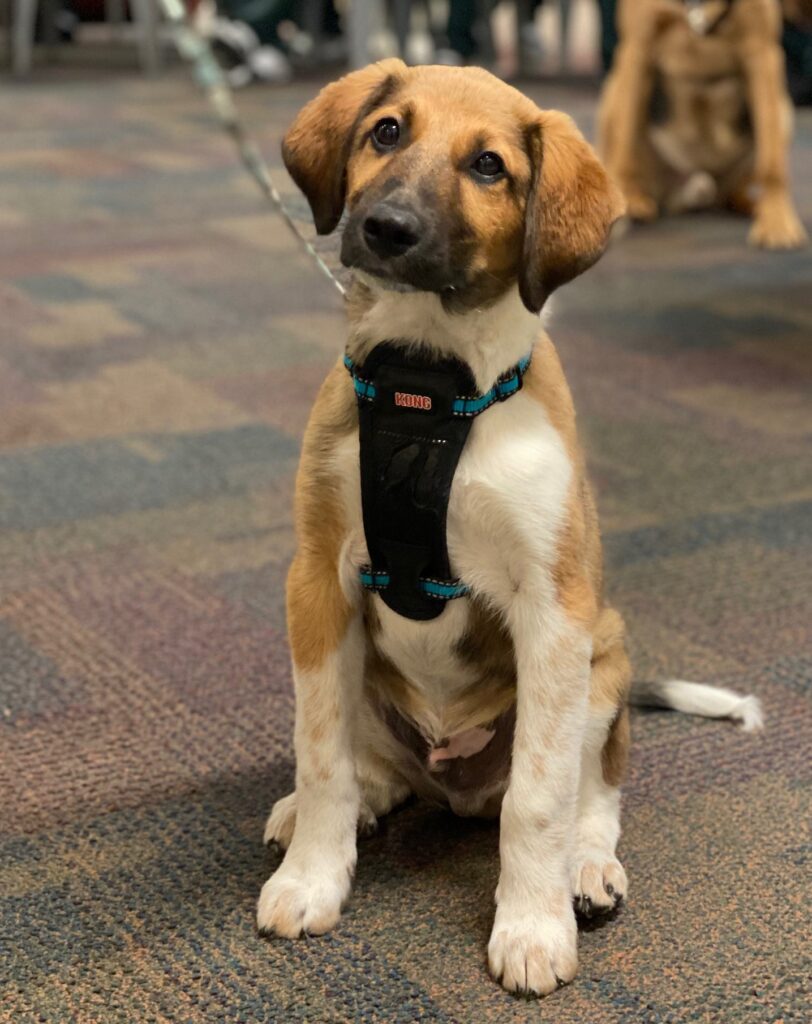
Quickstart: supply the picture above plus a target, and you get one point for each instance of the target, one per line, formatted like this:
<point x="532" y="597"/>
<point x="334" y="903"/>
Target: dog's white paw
<point x="598" y="883"/>
<point x="281" y="823"/>
<point x="294" y="901"/>
<point x="533" y="953"/>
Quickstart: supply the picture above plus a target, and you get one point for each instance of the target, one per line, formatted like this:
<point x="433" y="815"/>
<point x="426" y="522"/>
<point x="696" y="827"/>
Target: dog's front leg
<point x="622" y="127"/>
<point x="306" y="893"/>
<point x="776" y="224"/>
<point x="533" y="946"/>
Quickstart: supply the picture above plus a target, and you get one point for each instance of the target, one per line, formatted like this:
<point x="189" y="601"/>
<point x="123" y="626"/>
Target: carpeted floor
<point x="161" y="340"/>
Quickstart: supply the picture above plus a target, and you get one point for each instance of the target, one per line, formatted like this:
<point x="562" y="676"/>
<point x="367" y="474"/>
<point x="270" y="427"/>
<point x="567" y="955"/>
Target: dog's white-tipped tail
<point x="699" y="699"/>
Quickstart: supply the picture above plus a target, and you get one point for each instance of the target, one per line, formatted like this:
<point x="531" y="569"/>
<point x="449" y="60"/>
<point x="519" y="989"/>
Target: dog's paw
<point x="281" y="823"/>
<point x="533" y="953"/>
<point x="639" y="206"/>
<point x="777" y="226"/>
<point x="294" y="901"/>
<point x="598" y="883"/>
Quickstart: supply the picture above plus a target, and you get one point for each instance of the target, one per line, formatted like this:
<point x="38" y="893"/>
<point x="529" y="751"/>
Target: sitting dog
<point x="448" y="632"/>
<point x="695" y="113"/>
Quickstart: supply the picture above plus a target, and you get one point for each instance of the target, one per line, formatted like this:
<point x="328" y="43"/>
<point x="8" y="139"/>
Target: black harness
<point x="415" y="412"/>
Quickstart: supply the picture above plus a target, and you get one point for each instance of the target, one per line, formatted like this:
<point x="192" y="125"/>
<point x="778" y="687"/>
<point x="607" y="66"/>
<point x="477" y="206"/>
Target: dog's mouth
<point x="380" y="279"/>
<point x="403" y="275"/>
<point x="377" y="278"/>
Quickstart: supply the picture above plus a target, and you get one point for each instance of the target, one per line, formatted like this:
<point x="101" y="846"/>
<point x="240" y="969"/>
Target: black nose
<point x="391" y="230"/>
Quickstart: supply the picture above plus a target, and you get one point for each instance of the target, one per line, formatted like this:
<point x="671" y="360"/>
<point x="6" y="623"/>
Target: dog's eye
<point x="488" y="166"/>
<point x="385" y="134"/>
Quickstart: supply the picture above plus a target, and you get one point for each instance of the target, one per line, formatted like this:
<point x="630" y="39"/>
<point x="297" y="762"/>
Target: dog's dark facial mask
<point x="455" y="184"/>
<point x="398" y="233"/>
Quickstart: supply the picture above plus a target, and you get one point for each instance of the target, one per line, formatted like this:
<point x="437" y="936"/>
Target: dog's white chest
<point x="507" y="505"/>
<point x="508" y="499"/>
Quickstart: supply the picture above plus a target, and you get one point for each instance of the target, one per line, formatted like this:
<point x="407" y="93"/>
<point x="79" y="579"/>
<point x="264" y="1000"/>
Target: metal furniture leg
<point x="24" y="14"/>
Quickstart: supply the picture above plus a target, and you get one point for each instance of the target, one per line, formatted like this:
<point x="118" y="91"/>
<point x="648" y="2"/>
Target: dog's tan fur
<point x="555" y="661"/>
<point x="726" y="133"/>
<point x="317" y="617"/>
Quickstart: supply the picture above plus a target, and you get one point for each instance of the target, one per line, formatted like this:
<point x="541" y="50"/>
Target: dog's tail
<point x="699" y="699"/>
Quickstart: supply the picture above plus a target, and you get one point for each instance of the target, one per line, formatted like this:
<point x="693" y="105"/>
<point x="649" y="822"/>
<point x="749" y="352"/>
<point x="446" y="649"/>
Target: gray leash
<point x="209" y="76"/>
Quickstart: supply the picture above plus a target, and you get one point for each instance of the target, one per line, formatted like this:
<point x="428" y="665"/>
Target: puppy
<point x="468" y="206"/>
<point x="695" y="113"/>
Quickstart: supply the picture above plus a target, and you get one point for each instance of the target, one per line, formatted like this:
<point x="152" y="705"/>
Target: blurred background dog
<point x="696" y="113"/>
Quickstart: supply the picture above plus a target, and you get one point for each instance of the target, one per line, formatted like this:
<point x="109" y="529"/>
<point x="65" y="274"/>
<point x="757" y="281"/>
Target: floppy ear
<point x="318" y="143"/>
<point x="571" y="207"/>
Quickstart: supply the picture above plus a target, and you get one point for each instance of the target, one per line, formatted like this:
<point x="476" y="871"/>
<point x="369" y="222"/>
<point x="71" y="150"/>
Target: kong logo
<point x="403" y="398"/>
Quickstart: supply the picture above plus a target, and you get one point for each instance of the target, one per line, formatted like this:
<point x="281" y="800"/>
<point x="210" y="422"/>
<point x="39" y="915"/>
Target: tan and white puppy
<point x="467" y="206"/>
<point x="695" y="113"/>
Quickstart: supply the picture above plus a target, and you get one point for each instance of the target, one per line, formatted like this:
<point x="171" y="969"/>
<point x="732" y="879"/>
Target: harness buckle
<point x="508" y="386"/>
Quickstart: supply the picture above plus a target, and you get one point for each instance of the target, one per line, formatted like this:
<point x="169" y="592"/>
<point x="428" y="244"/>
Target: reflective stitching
<point x="444" y="590"/>
<point x="414" y="437"/>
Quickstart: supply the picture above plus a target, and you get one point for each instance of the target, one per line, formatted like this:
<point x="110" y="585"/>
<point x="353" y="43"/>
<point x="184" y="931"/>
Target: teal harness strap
<point x="363" y="388"/>
<point x="507" y="385"/>
<point x="441" y="589"/>
<point x="460" y="407"/>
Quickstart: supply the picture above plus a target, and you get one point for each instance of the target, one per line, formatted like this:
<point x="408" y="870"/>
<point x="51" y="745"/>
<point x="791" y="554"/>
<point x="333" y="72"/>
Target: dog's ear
<point x="570" y="209"/>
<point x="318" y="143"/>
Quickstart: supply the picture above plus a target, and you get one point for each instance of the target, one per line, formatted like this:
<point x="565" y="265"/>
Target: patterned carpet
<point x="162" y="339"/>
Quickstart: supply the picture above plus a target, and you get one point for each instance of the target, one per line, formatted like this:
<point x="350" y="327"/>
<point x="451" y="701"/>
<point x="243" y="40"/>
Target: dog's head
<point x="455" y="183"/>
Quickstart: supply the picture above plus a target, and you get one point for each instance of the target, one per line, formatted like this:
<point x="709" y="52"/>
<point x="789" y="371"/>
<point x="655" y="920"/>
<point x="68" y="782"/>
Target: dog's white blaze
<point x="490" y="340"/>
<point x="508" y="501"/>
<point x="424" y="654"/>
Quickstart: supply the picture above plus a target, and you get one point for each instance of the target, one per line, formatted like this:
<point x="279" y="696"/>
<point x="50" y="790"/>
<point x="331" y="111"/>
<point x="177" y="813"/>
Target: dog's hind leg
<point x="382" y="788"/>
<point x="281" y="822"/>
<point x="379" y="795"/>
<point x="597" y="876"/>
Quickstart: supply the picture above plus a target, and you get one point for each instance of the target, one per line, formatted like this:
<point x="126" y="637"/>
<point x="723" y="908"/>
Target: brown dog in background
<point x="696" y="113"/>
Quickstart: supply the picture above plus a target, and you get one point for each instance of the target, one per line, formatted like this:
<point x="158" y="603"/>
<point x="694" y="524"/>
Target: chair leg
<point x="564" y="8"/>
<point x="22" y="39"/>
<point x="311" y="21"/>
<point x="524" y="16"/>
<point x="114" y="11"/>
<point x="482" y="31"/>
<point x="359" y="25"/>
<point x="402" y="20"/>
<point x="50" y="36"/>
<point x="145" y="14"/>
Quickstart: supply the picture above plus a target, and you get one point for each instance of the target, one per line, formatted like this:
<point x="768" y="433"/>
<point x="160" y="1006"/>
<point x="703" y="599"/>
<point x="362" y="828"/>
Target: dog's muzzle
<point x="399" y="245"/>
